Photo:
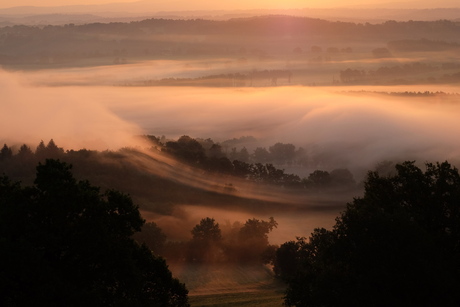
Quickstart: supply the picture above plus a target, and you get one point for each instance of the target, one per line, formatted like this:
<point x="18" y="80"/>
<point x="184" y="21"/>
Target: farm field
<point x="230" y="285"/>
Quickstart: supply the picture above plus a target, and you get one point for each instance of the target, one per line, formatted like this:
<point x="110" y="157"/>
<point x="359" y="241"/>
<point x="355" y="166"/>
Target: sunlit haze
<point x="361" y="130"/>
<point x="232" y="112"/>
<point x="155" y="5"/>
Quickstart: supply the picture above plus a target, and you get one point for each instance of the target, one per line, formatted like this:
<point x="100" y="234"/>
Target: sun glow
<point x="233" y="5"/>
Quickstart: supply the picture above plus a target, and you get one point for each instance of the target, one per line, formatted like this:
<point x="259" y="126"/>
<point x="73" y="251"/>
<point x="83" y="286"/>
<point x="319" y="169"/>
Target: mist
<point x="354" y="131"/>
<point x="361" y="131"/>
<point x="363" y="91"/>
<point x="68" y="115"/>
<point x="291" y="223"/>
<point x="346" y="129"/>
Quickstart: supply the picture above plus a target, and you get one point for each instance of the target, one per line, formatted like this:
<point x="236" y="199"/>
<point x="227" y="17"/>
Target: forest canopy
<point x="64" y="243"/>
<point x="398" y="245"/>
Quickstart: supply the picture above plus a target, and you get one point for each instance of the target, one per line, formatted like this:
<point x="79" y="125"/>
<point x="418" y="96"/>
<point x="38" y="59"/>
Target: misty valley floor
<point x="258" y="298"/>
<point x="230" y="285"/>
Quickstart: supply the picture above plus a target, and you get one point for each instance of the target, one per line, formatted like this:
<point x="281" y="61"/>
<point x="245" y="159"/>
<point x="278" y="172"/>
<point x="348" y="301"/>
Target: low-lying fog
<point x="358" y="131"/>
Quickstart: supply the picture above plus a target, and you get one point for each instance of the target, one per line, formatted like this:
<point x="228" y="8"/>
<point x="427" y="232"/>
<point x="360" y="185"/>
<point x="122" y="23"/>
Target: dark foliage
<point x="411" y="45"/>
<point x="413" y="73"/>
<point x="187" y="150"/>
<point x="192" y="152"/>
<point x="118" y="170"/>
<point x="5" y="153"/>
<point x="152" y="236"/>
<point x="253" y="245"/>
<point x="64" y="243"/>
<point x="206" y="241"/>
<point x="398" y="245"/>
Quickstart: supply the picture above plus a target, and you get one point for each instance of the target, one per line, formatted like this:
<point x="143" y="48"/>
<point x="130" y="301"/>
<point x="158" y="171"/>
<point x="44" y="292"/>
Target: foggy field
<point x="231" y="285"/>
<point x="355" y="131"/>
<point x="260" y="298"/>
<point x="292" y="222"/>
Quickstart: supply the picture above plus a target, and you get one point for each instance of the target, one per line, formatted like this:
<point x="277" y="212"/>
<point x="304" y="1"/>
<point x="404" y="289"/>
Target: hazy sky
<point x="242" y="4"/>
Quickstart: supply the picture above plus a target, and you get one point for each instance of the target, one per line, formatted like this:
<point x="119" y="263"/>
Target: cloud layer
<point x="353" y="130"/>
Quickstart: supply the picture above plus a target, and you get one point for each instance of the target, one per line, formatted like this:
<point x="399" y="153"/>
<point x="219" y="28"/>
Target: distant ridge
<point x="34" y="15"/>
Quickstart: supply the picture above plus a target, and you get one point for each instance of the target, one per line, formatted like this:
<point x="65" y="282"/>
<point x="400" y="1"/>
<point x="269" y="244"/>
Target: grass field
<point x="230" y="285"/>
<point x="258" y="298"/>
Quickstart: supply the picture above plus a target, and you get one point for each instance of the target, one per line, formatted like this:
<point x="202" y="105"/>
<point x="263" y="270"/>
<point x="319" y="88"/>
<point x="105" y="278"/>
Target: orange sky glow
<point x="242" y="4"/>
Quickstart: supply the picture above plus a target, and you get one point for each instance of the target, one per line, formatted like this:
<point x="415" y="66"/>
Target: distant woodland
<point x="280" y="38"/>
<point x="110" y="168"/>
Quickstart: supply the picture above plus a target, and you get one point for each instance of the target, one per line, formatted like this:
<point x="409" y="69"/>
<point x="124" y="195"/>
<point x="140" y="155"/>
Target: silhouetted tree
<point x="342" y="177"/>
<point x="282" y="153"/>
<point x="287" y="259"/>
<point x="259" y="172"/>
<point x="53" y="151"/>
<point x="152" y="236"/>
<point x="215" y="151"/>
<point x="5" y="153"/>
<point x="207" y="230"/>
<point x="24" y="152"/>
<point x="274" y="175"/>
<point x="243" y="155"/>
<point x="205" y="244"/>
<point x="64" y="243"/>
<point x="318" y="180"/>
<point x="186" y="149"/>
<point x="261" y="155"/>
<point x="352" y="75"/>
<point x="253" y="240"/>
<point x="21" y="166"/>
<point x="241" y="169"/>
<point x="220" y="165"/>
<point x="381" y="53"/>
<point x="398" y="245"/>
<point x="233" y="154"/>
<point x="40" y="151"/>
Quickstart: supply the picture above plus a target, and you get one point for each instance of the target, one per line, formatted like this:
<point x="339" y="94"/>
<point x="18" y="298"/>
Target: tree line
<point x="439" y="94"/>
<point x="210" y="243"/>
<point x="63" y="44"/>
<point x="252" y="78"/>
<point x="260" y="166"/>
<point x="259" y="25"/>
<point x="413" y="72"/>
<point x="422" y="45"/>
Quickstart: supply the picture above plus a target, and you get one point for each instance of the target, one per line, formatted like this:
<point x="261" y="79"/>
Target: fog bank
<point x="340" y="128"/>
<point x="346" y="130"/>
<point x="352" y="130"/>
<point x="69" y="115"/>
